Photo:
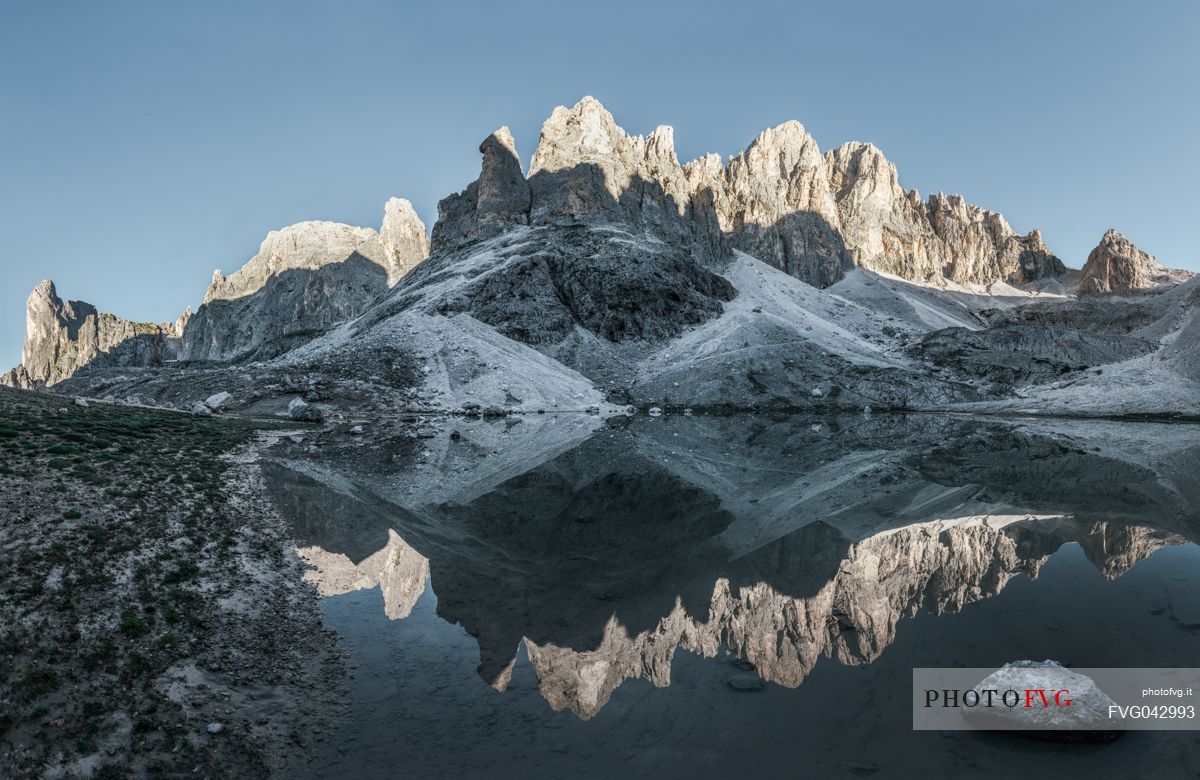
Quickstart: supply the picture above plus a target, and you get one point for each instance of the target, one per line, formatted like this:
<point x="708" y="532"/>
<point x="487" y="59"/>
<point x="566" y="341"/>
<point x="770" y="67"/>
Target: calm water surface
<point x="701" y="596"/>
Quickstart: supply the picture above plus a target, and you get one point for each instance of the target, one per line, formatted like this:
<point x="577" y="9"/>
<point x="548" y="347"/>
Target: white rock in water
<point x="81" y="402"/>
<point x="654" y="411"/>
<point x="218" y="402"/>
<point x="215" y="728"/>
<point x="817" y="392"/>
<point x="1085" y="719"/>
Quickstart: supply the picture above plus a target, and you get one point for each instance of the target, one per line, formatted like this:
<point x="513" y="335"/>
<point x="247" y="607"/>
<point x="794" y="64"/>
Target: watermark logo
<point x="1047" y="696"/>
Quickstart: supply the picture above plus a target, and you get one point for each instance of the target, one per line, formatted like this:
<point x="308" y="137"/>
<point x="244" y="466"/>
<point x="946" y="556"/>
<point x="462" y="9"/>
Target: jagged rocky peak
<point x="403" y="237"/>
<point x="586" y="165"/>
<point x="305" y="278"/>
<point x="305" y="246"/>
<point x="63" y="336"/>
<point x="774" y="201"/>
<point x="498" y="198"/>
<point x="503" y="196"/>
<point x="813" y="215"/>
<point x="1117" y="265"/>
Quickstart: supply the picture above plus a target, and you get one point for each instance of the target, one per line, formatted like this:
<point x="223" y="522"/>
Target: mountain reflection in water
<point x="602" y="548"/>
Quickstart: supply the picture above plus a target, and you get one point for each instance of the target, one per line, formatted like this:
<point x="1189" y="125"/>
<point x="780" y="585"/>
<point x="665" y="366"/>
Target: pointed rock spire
<point x="1117" y="265"/>
<point x="503" y="196"/>
<point x="404" y="240"/>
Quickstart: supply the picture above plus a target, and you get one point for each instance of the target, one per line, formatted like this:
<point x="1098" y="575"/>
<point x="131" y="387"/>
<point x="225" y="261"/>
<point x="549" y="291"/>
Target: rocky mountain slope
<point x="812" y="215"/>
<point x="612" y="274"/>
<point x="61" y="337"/>
<point x="1116" y="265"/>
<point x="304" y="278"/>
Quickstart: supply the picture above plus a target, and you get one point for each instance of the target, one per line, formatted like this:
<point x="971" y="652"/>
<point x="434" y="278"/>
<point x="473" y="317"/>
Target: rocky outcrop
<point x="305" y="278"/>
<point x="62" y="337"/>
<point x="611" y="284"/>
<point x="809" y="214"/>
<point x="402" y="234"/>
<point x="774" y="201"/>
<point x="1117" y="265"/>
<point x="498" y="198"/>
<point x="306" y="246"/>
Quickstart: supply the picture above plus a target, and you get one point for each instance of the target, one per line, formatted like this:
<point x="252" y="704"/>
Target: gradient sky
<point x="143" y="144"/>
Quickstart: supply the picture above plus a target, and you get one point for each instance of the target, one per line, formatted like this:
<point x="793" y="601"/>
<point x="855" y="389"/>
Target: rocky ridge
<point x="305" y="278"/>
<point x="785" y="278"/>
<point x="1117" y="265"/>
<point x="812" y="215"/>
<point x="63" y="336"/>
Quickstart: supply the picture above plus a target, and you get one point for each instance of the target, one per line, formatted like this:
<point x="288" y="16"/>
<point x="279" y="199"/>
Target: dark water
<point x="701" y="597"/>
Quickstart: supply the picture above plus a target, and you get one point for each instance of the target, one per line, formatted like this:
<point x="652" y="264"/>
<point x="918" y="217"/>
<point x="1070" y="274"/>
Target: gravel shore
<point x="153" y="616"/>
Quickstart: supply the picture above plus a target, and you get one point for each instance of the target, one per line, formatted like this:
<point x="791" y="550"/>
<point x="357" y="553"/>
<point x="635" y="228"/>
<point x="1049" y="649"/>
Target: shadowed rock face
<point x="304" y="279"/>
<point x="617" y="290"/>
<point x="63" y="336"/>
<point x="500" y="197"/>
<point x="779" y="541"/>
<point x="781" y="200"/>
<point x="1117" y="265"/>
<point x="292" y="306"/>
<point x="1011" y="355"/>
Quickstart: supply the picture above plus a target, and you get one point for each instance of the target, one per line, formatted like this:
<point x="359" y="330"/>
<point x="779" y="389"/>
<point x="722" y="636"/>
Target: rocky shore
<point x="153" y="620"/>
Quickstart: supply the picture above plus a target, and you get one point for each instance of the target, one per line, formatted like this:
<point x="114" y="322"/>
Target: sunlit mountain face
<point x="576" y="556"/>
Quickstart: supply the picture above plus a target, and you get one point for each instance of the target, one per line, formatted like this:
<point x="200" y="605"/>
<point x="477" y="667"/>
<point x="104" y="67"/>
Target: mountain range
<point x="610" y="275"/>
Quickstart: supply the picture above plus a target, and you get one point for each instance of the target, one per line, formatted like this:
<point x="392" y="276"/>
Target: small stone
<point x="81" y="402"/>
<point x="199" y="409"/>
<point x="215" y="728"/>
<point x="356" y="430"/>
<point x="654" y="411"/>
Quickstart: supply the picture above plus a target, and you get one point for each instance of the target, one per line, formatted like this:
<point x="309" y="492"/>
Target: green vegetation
<point x="95" y="610"/>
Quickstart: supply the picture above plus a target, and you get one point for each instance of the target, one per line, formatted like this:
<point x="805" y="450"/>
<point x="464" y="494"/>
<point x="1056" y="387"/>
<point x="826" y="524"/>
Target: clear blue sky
<point x="143" y="144"/>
